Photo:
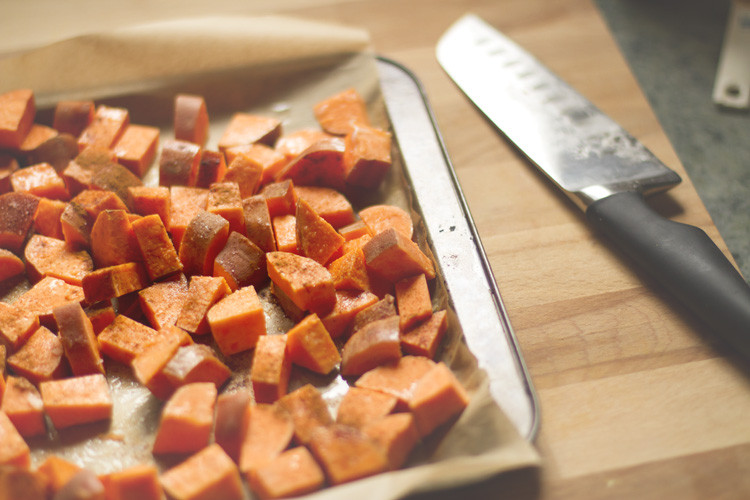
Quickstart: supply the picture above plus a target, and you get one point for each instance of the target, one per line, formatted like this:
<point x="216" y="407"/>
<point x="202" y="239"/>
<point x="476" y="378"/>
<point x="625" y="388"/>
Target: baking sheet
<point x="484" y="441"/>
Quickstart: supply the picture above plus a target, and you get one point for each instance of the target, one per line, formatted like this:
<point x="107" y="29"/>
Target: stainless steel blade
<point x="582" y="150"/>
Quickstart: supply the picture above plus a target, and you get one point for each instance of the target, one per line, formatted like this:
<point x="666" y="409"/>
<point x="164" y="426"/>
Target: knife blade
<point x="600" y="166"/>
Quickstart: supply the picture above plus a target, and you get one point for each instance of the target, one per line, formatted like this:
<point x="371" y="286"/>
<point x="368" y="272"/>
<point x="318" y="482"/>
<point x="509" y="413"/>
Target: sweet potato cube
<point x="367" y="157"/>
<point x="72" y="117"/>
<point x="241" y="263"/>
<point x="16" y="325"/>
<point x="294" y="143"/>
<point x="349" y="271"/>
<point x="308" y="411"/>
<point x="114" y="281"/>
<point x="17" y="112"/>
<point x="148" y="200"/>
<point x="237" y="321"/>
<point x="28" y="484"/>
<point x="424" y="339"/>
<point x="208" y="474"/>
<point x="159" y="256"/>
<point x="196" y="363"/>
<point x="116" y="178"/>
<point x="267" y="431"/>
<point x="57" y="472"/>
<point x="46" y="295"/>
<point x="246" y="128"/>
<point x="397" y="434"/>
<point x="78" y="339"/>
<point x="47" y="218"/>
<point x="8" y="165"/>
<point x="23" y="405"/>
<point x="125" y="339"/>
<point x="138" y="482"/>
<point x="203" y="292"/>
<point x="190" y="118"/>
<point x="281" y="198"/>
<point x="38" y="134"/>
<point x="11" y="266"/>
<point x="271" y="368"/>
<point x="339" y="113"/>
<point x="49" y="146"/>
<point x="316" y="238"/>
<point x="16" y="218"/>
<point x="101" y="315"/>
<point x="348" y="304"/>
<point x="308" y="284"/>
<point x="162" y="302"/>
<point x="179" y="162"/>
<point x="185" y="203"/>
<point x="148" y="366"/>
<point x="346" y="453"/>
<point x="258" y="228"/>
<point x="186" y="420"/>
<point x="437" y="398"/>
<point x="78" y="400"/>
<point x="397" y="378"/>
<point x="294" y="472"/>
<point x="285" y="233"/>
<point x="79" y="216"/>
<point x="14" y="451"/>
<point x="113" y="241"/>
<point x="379" y="218"/>
<point x="224" y="200"/>
<point x="40" y="358"/>
<point x="105" y="129"/>
<point x="310" y="346"/>
<point x="413" y="300"/>
<point x="246" y="172"/>
<point x="361" y="406"/>
<point x="322" y="164"/>
<point x="328" y="203"/>
<point x="204" y="237"/>
<point x="40" y="180"/>
<point x="136" y="148"/>
<point x="211" y="168"/>
<point x="232" y="410"/>
<point x="375" y="344"/>
<point x="291" y="310"/>
<point x="256" y="164"/>
<point x="80" y="170"/>
<point x="394" y="257"/>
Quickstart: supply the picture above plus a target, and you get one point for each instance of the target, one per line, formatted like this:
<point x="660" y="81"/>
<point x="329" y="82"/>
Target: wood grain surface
<point x="637" y="399"/>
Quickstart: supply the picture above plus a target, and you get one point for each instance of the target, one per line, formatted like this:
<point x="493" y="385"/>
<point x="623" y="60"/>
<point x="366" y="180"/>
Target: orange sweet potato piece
<point x="57" y="471"/>
<point x="397" y="434"/>
<point x="49" y="146"/>
<point x="413" y="300"/>
<point x="246" y="128"/>
<point x="113" y="241"/>
<point x="394" y="257"/>
<point x="79" y="171"/>
<point x="114" y="281"/>
<point x="185" y="203"/>
<point x="378" y="218"/>
<point x="148" y="366"/>
<point x="16" y="218"/>
<point x="78" y="339"/>
<point x="40" y="358"/>
<point x="316" y="238"/>
<point x="40" y="180"/>
<point x="237" y="321"/>
<point x="101" y="315"/>
<point x="348" y="304"/>
<point x="259" y="165"/>
<point x="271" y="368"/>
<point x="424" y="339"/>
<point x="204" y="237"/>
<point x="179" y="162"/>
<point x="186" y="419"/>
<point x="349" y="271"/>
<point x="162" y="302"/>
<point x="310" y="346"/>
<point x="308" y="284"/>
<point x="339" y="113"/>
<point x="258" y="228"/>
<point x="78" y="400"/>
<point x="72" y="117"/>
<point x="80" y="214"/>
<point x="267" y="431"/>
<point x="14" y="451"/>
<point x="125" y="338"/>
<point x="47" y="218"/>
<point x="8" y="165"/>
<point x="346" y="453"/>
<point x="138" y="482"/>
<point x="285" y="233"/>
<point x="281" y="198"/>
<point x="47" y="256"/>
<point x="190" y="118"/>
<point x="208" y="474"/>
<point x="105" y="129"/>
<point x="367" y="157"/>
<point x="361" y="406"/>
<point x="375" y="344"/>
<point x="224" y="199"/>
<point x="328" y="203"/>
<point x="16" y="325"/>
<point x="397" y="378"/>
<point x="10" y="265"/>
<point x="203" y="292"/>
<point x="159" y="256"/>
<point x="116" y="178"/>
<point x="17" y="482"/>
<point x="322" y="164"/>
<point x="232" y="410"/>
<point x="437" y="398"/>
<point x="290" y="309"/>
<point x="46" y="295"/>
<point x="148" y="200"/>
<point x="196" y="363"/>
<point x="307" y="410"/>
<point x="294" y="472"/>
<point x="241" y="263"/>
<point x="245" y="171"/>
<point x="211" y="168"/>
<point x="136" y="148"/>
<point x="37" y="135"/>
<point x="292" y="144"/>
<point x="17" y="112"/>
<point x="23" y="405"/>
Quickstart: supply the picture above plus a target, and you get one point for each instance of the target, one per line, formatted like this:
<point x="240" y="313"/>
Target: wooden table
<point x="637" y="399"/>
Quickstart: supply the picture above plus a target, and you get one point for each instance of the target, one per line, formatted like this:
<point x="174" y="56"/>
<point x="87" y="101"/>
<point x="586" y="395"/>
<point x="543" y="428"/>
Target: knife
<point x="602" y="168"/>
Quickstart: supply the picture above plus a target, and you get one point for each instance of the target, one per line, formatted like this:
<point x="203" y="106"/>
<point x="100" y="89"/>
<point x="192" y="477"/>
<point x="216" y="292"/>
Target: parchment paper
<point x="272" y="65"/>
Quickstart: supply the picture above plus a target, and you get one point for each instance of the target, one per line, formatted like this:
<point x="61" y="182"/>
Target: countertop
<point x="637" y="398"/>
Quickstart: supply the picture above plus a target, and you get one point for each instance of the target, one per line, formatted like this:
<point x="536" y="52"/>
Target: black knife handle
<point x="684" y="259"/>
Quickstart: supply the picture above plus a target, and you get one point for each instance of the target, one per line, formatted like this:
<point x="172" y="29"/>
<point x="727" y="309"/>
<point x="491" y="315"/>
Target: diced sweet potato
<point x="186" y="420"/>
<point x="114" y="281"/>
<point x="349" y="272"/>
<point x="148" y="200"/>
<point x="138" y="482"/>
<point x="367" y="157"/>
<point x="78" y="400"/>
<point x="294" y="472"/>
<point x="80" y="214"/>
<point x="105" y="129"/>
<point x="346" y="453"/>
<point x="56" y="149"/>
<point x="394" y="257"/>
<point x="203" y="292"/>
<point x="437" y="397"/>
<point x="17" y="482"/>
<point x="79" y="172"/>
<point x="23" y="405"/>
<point x="47" y="256"/>
<point x="241" y="263"/>
<point x="14" y="452"/>
<point x="308" y="411"/>
<point x="267" y="431"/>
<point x="185" y="203"/>
<point x="257" y="164"/>
<point x="271" y="368"/>
<point x="40" y="358"/>
<point x="78" y="339"/>
<point x="190" y="118"/>
<point x="16" y="218"/>
<point x="397" y="434"/>
<point x="424" y="339"/>
<point x="113" y="241"/>
<point x="40" y="180"/>
<point x="116" y="178"/>
<point x="224" y="199"/>
<point x="125" y="339"/>
<point x="397" y="378"/>
<point x="291" y="310"/>
<point x="148" y="366"/>
<point x="322" y="164"/>
<point x="285" y="233"/>
<point x="246" y="128"/>
<point x="204" y="237"/>
<point x="348" y="304"/>
<point x="232" y="410"/>
<point x="413" y="300"/>
<point x="196" y="363"/>
<point x="310" y="346"/>
<point x="211" y="168"/>
<point x="72" y="117"/>
<point x="328" y="203"/>
<point x="375" y="344"/>
<point x="245" y="172"/>
<point x="258" y="226"/>
<point x="294" y="143"/>
<point x="208" y="474"/>
<point x="339" y="113"/>
<point x="47" y="218"/>
<point x="162" y="302"/>
<point x="57" y="472"/>
<point x="101" y="315"/>
<point x="8" y="165"/>
<point x="17" y="112"/>
<point x="178" y="163"/>
<point x="16" y="325"/>
<point x="37" y="135"/>
<point x="159" y="256"/>
<point x="136" y="148"/>
<point x="281" y="198"/>
<point x="316" y="238"/>
<point x="46" y="295"/>
<point x="308" y="284"/>
<point x="361" y="406"/>
<point x="10" y="265"/>
<point x="378" y="218"/>
<point x="237" y="321"/>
